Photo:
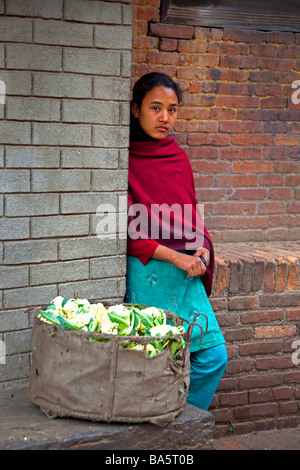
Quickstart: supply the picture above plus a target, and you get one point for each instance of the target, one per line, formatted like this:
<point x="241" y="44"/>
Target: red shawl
<point x="160" y="173"/>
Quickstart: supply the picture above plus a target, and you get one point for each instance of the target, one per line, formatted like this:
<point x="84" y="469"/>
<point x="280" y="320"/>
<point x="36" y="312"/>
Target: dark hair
<point x="145" y="84"/>
<point x="149" y="81"/>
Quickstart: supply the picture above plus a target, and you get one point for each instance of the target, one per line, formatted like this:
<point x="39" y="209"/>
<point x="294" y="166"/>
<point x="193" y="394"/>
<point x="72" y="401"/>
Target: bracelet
<point x="203" y="261"/>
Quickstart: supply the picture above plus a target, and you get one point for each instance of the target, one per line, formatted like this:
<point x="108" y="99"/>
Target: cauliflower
<point x="162" y="330"/>
<point x="70" y="308"/>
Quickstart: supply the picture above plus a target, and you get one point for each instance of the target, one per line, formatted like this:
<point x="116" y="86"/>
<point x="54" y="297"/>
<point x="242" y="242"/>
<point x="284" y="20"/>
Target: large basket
<point x="72" y="376"/>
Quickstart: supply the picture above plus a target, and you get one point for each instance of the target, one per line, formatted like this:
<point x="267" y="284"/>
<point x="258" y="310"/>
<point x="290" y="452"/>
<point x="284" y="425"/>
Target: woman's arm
<point x="192" y="264"/>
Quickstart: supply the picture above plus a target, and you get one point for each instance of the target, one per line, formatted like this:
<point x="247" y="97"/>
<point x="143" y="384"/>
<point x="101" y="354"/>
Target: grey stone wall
<point x="64" y="133"/>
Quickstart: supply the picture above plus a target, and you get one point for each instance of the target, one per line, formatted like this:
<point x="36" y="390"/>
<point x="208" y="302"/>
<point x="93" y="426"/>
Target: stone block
<point x="89" y="158"/>
<point x="17" y="82"/>
<point x="31" y="251"/>
<point x="192" y="429"/>
<point x="59" y="226"/>
<point x="15" y="29"/>
<point x="33" y="57"/>
<point x="109" y="180"/>
<point x="32" y="157"/>
<point x="91" y="61"/>
<point x="62" y="85"/>
<point x="32" y="109"/>
<point x="60" y="180"/>
<point x="39" y="8"/>
<point x="113" y="89"/>
<point x="12" y="320"/>
<point x="113" y="36"/>
<point x="85" y="203"/>
<point x="31" y="204"/>
<point x="14" y="228"/>
<point x="96" y="290"/>
<point x="61" y="134"/>
<point x="12" y="181"/>
<point x="86" y="247"/>
<point x="90" y="111"/>
<point x="29" y="296"/>
<point x="63" y="33"/>
<point x="110" y="136"/>
<point x="12" y="132"/>
<point x="66" y="271"/>
<point x="108" y="267"/>
<point x="16" y="276"/>
<point x="93" y="12"/>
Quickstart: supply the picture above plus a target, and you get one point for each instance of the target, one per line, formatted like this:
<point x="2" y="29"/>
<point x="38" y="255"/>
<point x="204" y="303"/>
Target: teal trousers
<point x="207" y="369"/>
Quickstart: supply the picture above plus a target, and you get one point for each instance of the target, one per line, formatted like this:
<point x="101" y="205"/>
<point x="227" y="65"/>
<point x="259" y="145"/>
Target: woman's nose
<point x="164" y="116"/>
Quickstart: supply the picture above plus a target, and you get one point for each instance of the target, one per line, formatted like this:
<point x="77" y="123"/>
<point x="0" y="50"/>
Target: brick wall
<point x="237" y="123"/>
<point x="64" y="133"/>
<point x="257" y="302"/>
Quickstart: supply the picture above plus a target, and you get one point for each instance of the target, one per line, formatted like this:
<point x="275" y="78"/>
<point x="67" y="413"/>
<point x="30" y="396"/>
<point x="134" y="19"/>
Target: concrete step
<point x="24" y="426"/>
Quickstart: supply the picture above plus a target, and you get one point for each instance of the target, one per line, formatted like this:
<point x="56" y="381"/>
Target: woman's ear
<point x="134" y="109"/>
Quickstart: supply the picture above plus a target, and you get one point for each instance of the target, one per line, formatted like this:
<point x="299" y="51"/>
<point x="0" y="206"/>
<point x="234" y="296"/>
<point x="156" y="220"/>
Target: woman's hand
<point x="192" y="264"/>
<point x="205" y="253"/>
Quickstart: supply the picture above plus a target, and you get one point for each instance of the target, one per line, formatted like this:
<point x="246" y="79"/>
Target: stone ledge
<point x="25" y="427"/>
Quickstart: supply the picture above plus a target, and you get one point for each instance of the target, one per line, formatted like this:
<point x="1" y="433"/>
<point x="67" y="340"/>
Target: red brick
<point x="258" y="348"/>
<point x="289" y="51"/>
<point x="262" y="316"/>
<point x="155" y="57"/>
<point x="254" y="411"/>
<point x="260" y="381"/>
<point x="252" y="167"/>
<point x="286" y="408"/>
<point x="171" y="31"/>
<point x="238" y="366"/>
<point x="262" y="332"/>
<point x="192" y="46"/>
<point x="283" y="362"/>
<point x="240" y="127"/>
<point x="147" y="14"/>
<point x="293" y="314"/>
<point x="241" y="303"/>
<point x="280" y="193"/>
<point x="233" y="399"/>
<point x="248" y="193"/>
<point x="289" y="140"/>
<point x="237" y="101"/>
<point x="208" y="139"/>
<point x="258" y="396"/>
<point x="169" y="45"/>
<point x="240" y="35"/>
<point x="240" y="334"/>
<point x="282" y="393"/>
<point x="263" y="50"/>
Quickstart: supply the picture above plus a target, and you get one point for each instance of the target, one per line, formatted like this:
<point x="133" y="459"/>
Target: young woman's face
<point x="158" y="112"/>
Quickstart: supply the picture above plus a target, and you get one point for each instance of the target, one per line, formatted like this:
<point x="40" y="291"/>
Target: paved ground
<point x="277" y="439"/>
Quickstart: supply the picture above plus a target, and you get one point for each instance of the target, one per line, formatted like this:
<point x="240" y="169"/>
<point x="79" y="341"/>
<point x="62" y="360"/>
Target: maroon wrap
<point x="160" y="173"/>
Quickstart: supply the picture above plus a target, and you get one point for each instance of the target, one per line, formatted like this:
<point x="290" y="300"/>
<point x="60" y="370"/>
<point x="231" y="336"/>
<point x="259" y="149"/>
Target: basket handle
<point x="190" y="330"/>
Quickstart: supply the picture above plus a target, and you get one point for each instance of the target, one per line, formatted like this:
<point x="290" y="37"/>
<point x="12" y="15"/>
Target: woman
<point x="170" y="253"/>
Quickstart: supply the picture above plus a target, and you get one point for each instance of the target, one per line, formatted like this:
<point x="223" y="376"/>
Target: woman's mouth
<point x="162" y="129"/>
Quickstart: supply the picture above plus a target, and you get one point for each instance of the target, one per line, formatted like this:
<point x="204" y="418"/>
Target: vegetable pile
<point x="123" y="320"/>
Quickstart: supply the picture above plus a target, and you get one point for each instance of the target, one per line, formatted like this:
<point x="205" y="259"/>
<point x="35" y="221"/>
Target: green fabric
<point x="163" y="285"/>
